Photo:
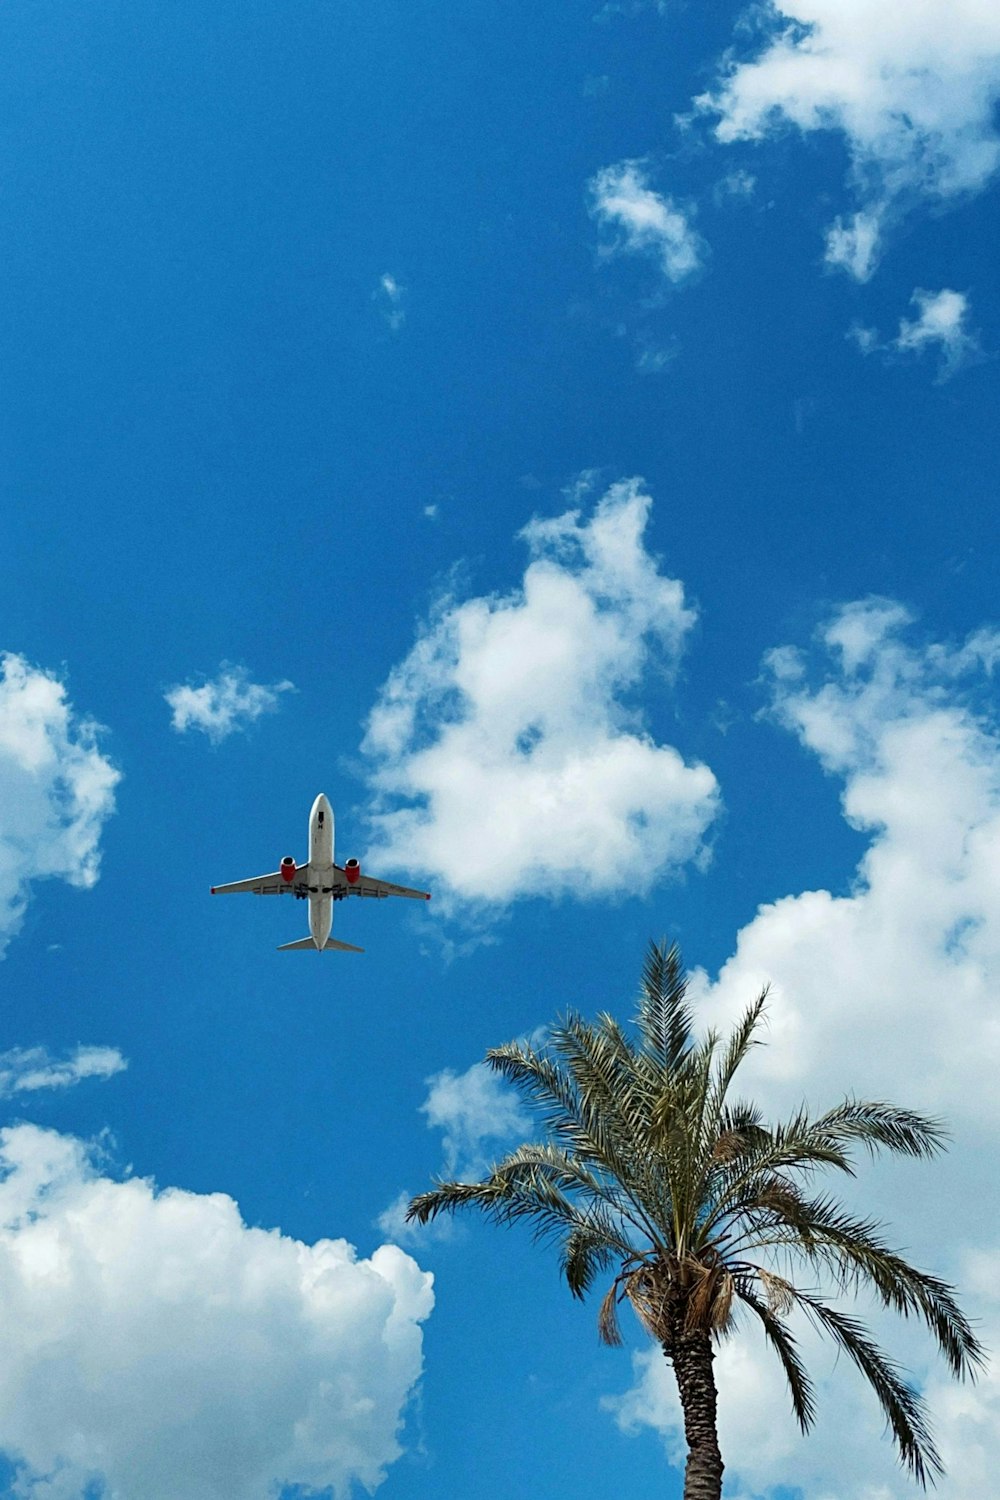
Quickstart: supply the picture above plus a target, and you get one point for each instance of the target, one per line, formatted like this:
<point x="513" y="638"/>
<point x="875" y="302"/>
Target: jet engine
<point x="352" y="871"/>
<point x="288" y="870"/>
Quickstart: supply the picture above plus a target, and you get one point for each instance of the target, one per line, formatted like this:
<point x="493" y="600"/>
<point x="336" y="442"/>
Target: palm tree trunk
<point x="691" y="1356"/>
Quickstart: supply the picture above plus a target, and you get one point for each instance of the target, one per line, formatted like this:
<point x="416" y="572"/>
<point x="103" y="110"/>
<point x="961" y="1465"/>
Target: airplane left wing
<point x="264" y="885"/>
<point x="367" y="885"/>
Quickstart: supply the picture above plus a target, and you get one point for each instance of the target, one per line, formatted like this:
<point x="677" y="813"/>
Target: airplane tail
<point x="330" y="943"/>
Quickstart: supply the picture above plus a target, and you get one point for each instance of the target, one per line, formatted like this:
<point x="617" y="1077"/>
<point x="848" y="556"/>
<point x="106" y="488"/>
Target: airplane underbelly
<point x="320" y="919"/>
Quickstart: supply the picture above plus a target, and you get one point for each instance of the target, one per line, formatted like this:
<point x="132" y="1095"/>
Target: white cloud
<point x="56" y="789"/>
<point x="855" y="245"/>
<point x="155" y="1343"/>
<point x="389" y="295"/>
<point x="892" y="986"/>
<point x="25" y="1069"/>
<point x="472" y="1108"/>
<point x="480" y="1117"/>
<point x="942" y="324"/>
<point x="889" y="991"/>
<point x="508" y="736"/>
<point x="736" y="187"/>
<point x="647" y="223"/>
<point x="224" y="705"/>
<point x="913" y="88"/>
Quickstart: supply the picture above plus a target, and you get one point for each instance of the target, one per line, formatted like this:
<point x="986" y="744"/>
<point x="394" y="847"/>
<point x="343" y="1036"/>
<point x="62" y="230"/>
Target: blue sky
<point x="564" y="434"/>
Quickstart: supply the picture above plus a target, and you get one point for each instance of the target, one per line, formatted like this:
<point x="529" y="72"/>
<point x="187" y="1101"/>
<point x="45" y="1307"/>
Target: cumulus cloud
<point x="23" y="1070"/>
<point x="389" y="296"/>
<point x="889" y="990"/>
<point x="645" y="222"/>
<point x="56" y="789"/>
<point x="942" y="325"/>
<point x="223" y="705"/>
<point x="912" y="88"/>
<point x="509" y="738"/>
<point x="894" y="984"/>
<point x="155" y="1344"/>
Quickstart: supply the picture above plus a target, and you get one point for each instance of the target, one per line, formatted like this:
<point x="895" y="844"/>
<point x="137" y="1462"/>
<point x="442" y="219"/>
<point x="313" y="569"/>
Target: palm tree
<point x="695" y="1203"/>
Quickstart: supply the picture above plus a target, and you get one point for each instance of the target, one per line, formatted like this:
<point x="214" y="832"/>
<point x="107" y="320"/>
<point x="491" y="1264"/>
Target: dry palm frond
<point x="607" y="1318"/>
<point x="780" y="1294"/>
<point x="728" y="1146"/>
<point x="722" y="1307"/>
<point x="652" y="1292"/>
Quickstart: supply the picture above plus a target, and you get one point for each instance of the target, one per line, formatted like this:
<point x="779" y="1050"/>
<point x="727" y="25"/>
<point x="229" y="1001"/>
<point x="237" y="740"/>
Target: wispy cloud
<point x="507" y="753"/>
<point x="171" y="1317"/>
<point x="478" y="1115"/>
<point x="223" y="705"/>
<point x="389" y="296"/>
<point x="472" y="1109"/>
<point x="644" y="222"/>
<point x="854" y="244"/>
<point x="57" y="788"/>
<point x="26" y="1069"/>
<point x="942" y="325"/>
<point x="737" y="186"/>
<point x="913" y="90"/>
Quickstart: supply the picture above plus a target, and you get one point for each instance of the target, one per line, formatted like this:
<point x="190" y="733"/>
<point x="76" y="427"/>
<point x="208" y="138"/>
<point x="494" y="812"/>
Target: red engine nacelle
<point x="352" y="871"/>
<point x="288" y="869"/>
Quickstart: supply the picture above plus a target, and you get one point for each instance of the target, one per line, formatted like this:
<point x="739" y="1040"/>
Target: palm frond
<point x="596" y="1196"/>
<point x="854" y="1250"/>
<point x="783" y="1343"/>
<point x="903" y="1406"/>
<point x="877" y="1125"/>
<point x="665" y="1022"/>
<point x="584" y="1256"/>
<point x="741" y="1039"/>
<point x="554" y="1097"/>
<point x="605" y="1082"/>
<point x="608" y="1327"/>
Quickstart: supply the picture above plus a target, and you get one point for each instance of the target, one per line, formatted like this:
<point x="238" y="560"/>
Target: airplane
<point x="319" y="881"/>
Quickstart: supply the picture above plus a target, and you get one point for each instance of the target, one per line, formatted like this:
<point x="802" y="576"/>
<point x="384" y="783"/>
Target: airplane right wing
<point x="367" y="885"/>
<point x="266" y="885"/>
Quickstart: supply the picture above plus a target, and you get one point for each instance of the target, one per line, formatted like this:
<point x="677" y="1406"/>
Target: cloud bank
<point x="155" y="1344"/>
<point x="506" y="755"/>
<point x="56" y="789"/>
<point x="223" y="705"/>
<point x="912" y="88"/>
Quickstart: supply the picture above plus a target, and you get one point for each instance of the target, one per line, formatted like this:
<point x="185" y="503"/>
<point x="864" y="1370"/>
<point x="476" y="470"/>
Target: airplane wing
<point x="367" y="885"/>
<point x="265" y="885"/>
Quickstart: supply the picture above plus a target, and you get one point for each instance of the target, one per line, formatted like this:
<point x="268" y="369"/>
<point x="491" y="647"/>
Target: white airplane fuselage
<point x="321" y="871"/>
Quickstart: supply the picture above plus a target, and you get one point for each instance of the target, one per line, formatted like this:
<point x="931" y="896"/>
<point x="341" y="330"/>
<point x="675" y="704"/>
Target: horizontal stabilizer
<point x="330" y="943"/>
